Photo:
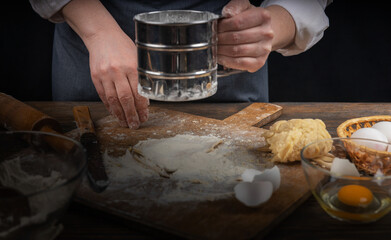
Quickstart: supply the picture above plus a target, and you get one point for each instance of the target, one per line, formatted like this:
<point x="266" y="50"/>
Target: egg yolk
<point x="355" y="195"/>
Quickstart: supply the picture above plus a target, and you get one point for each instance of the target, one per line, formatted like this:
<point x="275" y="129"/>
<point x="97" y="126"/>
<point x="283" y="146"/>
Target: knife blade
<point x="96" y="172"/>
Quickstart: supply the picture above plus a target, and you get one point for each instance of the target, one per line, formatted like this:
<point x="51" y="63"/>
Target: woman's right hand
<point x="113" y="65"/>
<point x="113" y="60"/>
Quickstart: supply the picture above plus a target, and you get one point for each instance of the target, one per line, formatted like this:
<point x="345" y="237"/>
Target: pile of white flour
<point x="200" y="168"/>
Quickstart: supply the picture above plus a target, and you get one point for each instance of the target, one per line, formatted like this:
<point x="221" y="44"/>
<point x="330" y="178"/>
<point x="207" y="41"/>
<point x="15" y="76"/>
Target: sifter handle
<point x="228" y="72"/>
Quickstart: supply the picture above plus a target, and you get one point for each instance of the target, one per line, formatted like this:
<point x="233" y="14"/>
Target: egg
<point x="257" y="187"/>
<point x="385" y="128"/>
<point x="343" y="167"/>
<point x="371" y="133"/>
<point x="355" y="195"/>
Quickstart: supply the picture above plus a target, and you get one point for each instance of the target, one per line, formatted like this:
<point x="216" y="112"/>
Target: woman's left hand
<point x="245" y="36"/>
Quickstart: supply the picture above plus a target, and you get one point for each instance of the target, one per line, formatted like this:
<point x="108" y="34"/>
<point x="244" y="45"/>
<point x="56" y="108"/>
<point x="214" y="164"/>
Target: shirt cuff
<point x="49" y="9"/>
<point x="310" y="20"/>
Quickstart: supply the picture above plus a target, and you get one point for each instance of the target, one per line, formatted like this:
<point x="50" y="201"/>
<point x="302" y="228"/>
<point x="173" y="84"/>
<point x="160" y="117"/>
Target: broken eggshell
<point x="257" y="187"/>
<point x="272" y="175"/>
<point x="343" y="167"/>
<point x="253" y="194"/>
<point x="248" y="175"/>
<point x="378" y="178"/>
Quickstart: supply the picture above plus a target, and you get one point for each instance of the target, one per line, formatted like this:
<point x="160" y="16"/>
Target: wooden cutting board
<point x="223" y="218"/>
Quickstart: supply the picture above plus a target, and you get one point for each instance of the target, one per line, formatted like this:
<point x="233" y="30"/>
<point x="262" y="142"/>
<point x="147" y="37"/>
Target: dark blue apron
<point x="71" y="79"/>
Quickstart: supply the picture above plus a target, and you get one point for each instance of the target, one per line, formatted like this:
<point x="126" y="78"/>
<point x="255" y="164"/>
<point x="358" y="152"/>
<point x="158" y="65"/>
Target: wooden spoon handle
<point x="83" y="119"/>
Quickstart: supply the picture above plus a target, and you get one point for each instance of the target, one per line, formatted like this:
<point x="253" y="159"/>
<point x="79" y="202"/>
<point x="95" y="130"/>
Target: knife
<point x="96" y="170"/>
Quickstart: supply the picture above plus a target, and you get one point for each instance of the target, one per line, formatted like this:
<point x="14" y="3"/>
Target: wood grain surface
<point x="256" y="114"/>
<point x="196" y="219"/>
<point x="308" y="221"/>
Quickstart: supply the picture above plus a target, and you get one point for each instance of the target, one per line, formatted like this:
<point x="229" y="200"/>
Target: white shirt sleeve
<point x="310" y="20"/>
<point x="49" y="9"/>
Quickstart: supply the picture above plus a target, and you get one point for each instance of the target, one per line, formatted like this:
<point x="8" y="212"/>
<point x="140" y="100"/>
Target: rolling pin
<point x="18" y="116"/>
<point x="15" y="115"/>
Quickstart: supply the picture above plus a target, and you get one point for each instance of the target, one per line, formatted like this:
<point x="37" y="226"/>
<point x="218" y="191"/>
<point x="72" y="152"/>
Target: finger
<point x="235" y="7"/>
<point x="113" y="102"/>
<point x="250" y="18"/>
<point x="127" y="101"/>
<point x="243" y="50"/>
<point x="243" y="63"/>
<point x="126" y="98"/>
<point x="141" y="102"/>
<point x="250" y="35"/>
<point x="101" y="92"/>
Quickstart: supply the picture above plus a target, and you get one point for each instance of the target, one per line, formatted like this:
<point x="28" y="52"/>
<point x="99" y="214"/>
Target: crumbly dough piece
<point x="287" y="138"/>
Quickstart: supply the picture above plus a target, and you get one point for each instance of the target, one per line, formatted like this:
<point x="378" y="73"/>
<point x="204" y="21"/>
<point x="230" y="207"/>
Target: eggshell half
<point x="343" y="167"/>
<point x="273" y="175"/>
<point x="253" y="194"/>
<point x="248" y="175"/>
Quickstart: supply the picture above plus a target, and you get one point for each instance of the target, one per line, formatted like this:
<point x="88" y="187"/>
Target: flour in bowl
<point x="35" y="195"/>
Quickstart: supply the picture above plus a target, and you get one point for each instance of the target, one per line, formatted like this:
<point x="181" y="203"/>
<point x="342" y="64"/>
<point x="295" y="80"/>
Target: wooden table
<point x="308" y="221"/>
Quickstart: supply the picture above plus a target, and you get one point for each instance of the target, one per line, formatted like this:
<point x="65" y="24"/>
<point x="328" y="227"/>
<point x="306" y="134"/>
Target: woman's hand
<point x="113" y="60"/>
<point x="113" y="65"/>
<point x="246" y="35"/>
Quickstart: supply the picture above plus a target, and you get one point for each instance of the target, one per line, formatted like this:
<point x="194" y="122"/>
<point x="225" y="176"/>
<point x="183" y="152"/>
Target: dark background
<point x="351" y="62"/>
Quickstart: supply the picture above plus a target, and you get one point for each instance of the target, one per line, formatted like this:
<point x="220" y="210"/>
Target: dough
<point x="287" y="138"/>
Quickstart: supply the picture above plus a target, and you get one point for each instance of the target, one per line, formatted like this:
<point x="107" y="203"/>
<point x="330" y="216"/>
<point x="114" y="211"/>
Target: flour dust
<point x="200" y="168"/>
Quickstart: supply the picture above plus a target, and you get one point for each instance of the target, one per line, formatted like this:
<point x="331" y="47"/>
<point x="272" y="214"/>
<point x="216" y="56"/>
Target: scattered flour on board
<point x="202" y="168"/>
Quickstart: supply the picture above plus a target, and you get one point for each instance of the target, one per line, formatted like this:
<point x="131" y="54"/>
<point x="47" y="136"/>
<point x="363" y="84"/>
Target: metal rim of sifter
<point x="142" y="17"/>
